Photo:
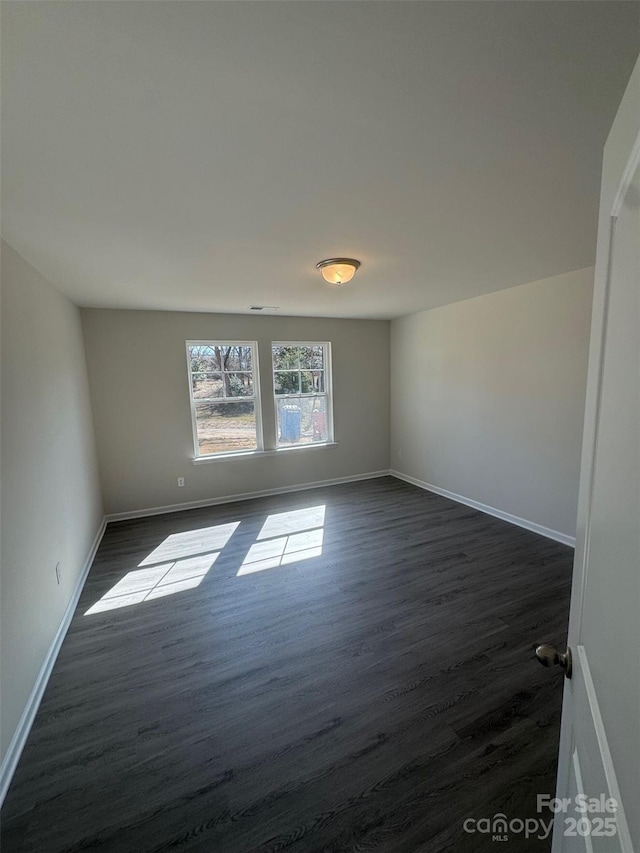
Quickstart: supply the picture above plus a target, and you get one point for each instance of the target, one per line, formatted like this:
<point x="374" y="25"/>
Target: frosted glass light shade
<point x="338" y="270"/>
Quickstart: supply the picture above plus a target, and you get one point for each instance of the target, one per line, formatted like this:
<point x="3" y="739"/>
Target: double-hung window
<point x="225" y="404"/>
<point x="302" y="388"/>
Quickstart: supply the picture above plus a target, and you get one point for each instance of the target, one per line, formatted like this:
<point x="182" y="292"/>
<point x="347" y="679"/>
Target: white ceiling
<point x="203" y="156"/>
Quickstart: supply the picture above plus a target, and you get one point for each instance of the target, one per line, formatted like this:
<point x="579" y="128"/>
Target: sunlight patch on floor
<point x="282" y="523"/>
<point x="191" y="542"/>
<point x="302" y="540"/>
<point x="147" y="584"/>
<point x="182" y="560"/>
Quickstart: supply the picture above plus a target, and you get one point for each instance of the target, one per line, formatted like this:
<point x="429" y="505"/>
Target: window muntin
<point x="302" y="390"/>
<point x="225" y="404"/>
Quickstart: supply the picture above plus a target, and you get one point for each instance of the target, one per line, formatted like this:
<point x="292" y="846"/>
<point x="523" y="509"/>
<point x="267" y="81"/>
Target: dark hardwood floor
<point x="370" y="697"/>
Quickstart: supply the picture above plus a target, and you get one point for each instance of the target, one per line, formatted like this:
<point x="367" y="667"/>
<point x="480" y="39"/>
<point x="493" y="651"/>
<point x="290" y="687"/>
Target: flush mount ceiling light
<point x="338" y="270"/>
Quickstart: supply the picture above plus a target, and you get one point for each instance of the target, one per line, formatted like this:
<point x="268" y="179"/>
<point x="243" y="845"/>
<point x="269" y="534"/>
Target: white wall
<point x="140" y="392"/>
<point x="488" y="397"/>
<point x="51" y="505"/>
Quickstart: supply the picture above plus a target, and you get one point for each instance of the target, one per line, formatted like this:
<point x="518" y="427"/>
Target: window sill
<point x="253" y="454"/>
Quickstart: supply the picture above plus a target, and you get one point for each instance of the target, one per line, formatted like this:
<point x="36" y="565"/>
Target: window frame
<point x="256" y="399"/>
<point x="327" y="393"/>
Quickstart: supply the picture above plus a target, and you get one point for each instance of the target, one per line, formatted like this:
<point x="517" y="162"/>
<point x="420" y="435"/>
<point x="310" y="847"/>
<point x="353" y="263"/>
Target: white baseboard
<point x="489" y="510"/>
<point x="161" y="510"/>
<point x="21" y="733"/>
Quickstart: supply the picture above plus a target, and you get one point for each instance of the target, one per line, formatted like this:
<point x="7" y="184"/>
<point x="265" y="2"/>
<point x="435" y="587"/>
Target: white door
<point x="599" y="756"/>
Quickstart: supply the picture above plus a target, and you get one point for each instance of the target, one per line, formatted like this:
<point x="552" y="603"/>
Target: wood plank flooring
<point x="366" y="698"/>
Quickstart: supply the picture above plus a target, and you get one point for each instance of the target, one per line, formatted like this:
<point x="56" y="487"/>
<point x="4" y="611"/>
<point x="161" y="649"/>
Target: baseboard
<point x="283" y="490"/>
<point x="489" y="510"/>
<point x="21" y="733"/>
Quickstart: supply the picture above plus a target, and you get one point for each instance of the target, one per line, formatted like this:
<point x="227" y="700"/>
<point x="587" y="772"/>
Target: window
<point x="302" y="388"/>
<point x="225" y="405"/>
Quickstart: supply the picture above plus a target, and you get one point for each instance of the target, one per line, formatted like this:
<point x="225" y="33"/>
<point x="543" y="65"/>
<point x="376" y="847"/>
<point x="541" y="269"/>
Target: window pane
<point x="235" y="358"/>
<point x="219" y="358"/>
<point x="311" y="381"/>
<point x="206" y="364"/>
<point x="243" y="358"/>
<point x="238" y="385"/>
<point x="206" y="385"/>
<point x="286" y="358"/>
<point x="225" y="427"/>
<point x="307" y="358"/>
<point x="287" y="382"/>
<point x="200" y="351"/>
<point x="222" y="356"/>
<point x="202" y="360"/>
<point x="302" y="420"/>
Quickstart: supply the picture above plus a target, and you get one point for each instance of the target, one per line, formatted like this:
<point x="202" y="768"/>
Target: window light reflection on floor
<point x="191" y="542"/>
<point x="183" y="559"/>
<point x="156" y="582"/>
<point x="291" y="522"/>
<point x="302" y="540"/>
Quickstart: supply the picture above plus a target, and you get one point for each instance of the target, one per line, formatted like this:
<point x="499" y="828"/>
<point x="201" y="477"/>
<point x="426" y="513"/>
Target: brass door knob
<point x="549" y="656"/>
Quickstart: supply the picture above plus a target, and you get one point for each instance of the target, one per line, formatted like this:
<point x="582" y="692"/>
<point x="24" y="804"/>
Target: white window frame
<point x="257" y="402"/>
<point x="328" y="392"/>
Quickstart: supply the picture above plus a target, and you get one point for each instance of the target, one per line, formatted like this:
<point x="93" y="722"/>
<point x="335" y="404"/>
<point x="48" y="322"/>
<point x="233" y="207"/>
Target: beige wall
<point x="51" y="505"/>
<point x="488" y="397"/>
<point x="138" y="376"/>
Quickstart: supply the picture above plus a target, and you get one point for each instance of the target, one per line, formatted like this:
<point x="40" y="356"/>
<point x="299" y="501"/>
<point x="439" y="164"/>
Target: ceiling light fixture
<point x="338" y="270"/>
